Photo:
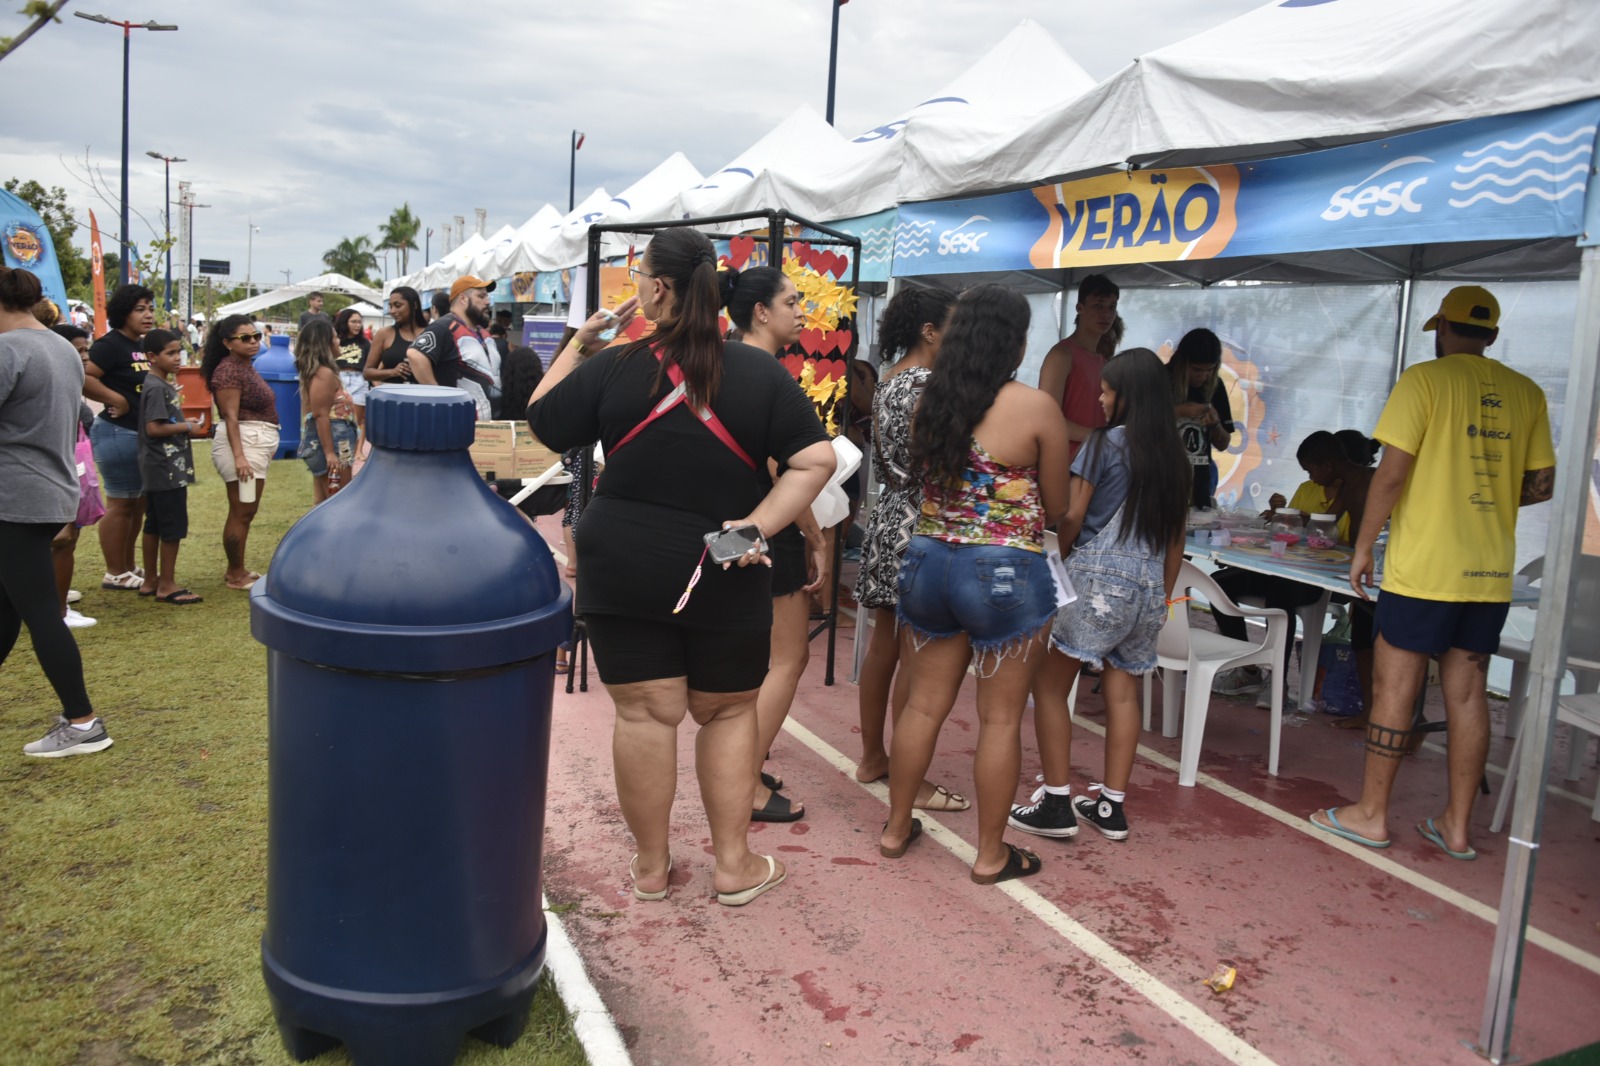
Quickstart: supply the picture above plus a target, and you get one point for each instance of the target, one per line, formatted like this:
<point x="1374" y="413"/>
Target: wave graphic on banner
<point x="912" y="239"/>
<point x="1508" y="176"/>
<point x="877" y="245"/>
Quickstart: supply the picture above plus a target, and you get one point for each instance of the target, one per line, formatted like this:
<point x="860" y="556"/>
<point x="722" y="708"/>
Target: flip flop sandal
<point x="177" y="599"/>
<point x="639" y="893"/>
<point x="944" y="800"/>
<point x="1431" y="834"/>
<point x="895" y="853"/>
<point x="739" y="899"/>
<point x="777" y="809"/>
<point x="773" y="783"/>
<point x="1015" y="867"/>
<point x="1335" y="828"/>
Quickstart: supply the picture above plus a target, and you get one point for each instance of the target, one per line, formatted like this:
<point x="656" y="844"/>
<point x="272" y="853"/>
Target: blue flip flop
<point x="1339" y="830"/>
<point x="1431" y="834"/>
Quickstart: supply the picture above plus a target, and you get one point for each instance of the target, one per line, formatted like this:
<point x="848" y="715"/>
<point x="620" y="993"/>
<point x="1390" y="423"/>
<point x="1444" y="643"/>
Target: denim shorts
<point x="344" y="434"/>
<point x="116" y="456"/>
<point x="1119" y="612"/>
<point x="999" y="597"/>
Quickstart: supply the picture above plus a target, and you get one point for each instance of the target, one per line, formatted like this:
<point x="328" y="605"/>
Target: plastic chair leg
<point x="1516" y="697"/>
<point x="1312" y="619"/>
<point x="1148" y="678"/>
<point x="1196" y="705"/>
<point x="1508" y="787"/>
<point x="1174" y="685"/>
<point x="1072" y="697"/>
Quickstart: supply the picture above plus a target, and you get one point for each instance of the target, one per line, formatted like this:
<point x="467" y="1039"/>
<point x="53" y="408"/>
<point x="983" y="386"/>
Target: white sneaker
<point x="1264" y="701"/>
<point x="75" y="620"/>
<point x="73" y="595"/>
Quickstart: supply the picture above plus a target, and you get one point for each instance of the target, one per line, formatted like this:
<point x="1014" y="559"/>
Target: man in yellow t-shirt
<point x="1466" y="443"/>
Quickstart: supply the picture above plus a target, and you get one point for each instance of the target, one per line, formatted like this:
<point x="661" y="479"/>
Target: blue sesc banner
<point x="27" y="245"/>
<point x="1508" y="177"/>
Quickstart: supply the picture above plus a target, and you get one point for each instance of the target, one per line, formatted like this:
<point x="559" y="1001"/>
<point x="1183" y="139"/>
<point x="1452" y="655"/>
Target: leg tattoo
<point x="1389" y="743"/>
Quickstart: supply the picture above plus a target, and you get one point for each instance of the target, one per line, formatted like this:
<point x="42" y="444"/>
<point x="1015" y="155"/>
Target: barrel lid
<point x="421" y="418"/>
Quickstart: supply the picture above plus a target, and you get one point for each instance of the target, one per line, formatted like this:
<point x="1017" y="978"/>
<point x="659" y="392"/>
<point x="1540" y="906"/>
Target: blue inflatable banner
<point x="1508" y="177"/>
<point x="28" y="246"/>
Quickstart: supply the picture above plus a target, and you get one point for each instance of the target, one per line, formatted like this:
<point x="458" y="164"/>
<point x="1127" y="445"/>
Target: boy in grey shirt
<point x="166" y="468"/>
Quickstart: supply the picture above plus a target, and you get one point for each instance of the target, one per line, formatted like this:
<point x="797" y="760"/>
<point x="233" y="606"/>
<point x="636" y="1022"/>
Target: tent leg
<point x="1565" y="545"/>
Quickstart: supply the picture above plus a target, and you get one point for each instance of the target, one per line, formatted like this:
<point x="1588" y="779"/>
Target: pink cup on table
<point x="1279" y="547"/>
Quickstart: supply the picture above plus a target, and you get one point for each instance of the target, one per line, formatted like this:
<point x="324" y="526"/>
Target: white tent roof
<point x="521" y="256"/>
<point x="794" y="144"/>
<point x="284" y="293"/>
<point x="449" y="267"/>
<point x="1022" y="78"/>
<point x="653" y="197"/>
<point x="1294" y="76"/>
<point x="499" y="245"/>
<point x="547" y="246"/>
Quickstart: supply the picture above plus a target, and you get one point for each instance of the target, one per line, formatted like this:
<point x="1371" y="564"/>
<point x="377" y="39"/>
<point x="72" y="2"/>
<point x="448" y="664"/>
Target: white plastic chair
<point x="1200" y="654"/>
<point x="1583" y="649"/>
<point x="1313" y="617"/>
<point x="1581" y="714"/>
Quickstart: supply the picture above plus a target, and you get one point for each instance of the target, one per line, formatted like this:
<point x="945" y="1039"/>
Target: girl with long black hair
<point x="1130" y="495"/>
<point x="1200" y="401"/>
<point x="386" y="357"/>
<point x="909" y="335"/>
<point x="991" y="456"/>
<point x="672" y="632"/>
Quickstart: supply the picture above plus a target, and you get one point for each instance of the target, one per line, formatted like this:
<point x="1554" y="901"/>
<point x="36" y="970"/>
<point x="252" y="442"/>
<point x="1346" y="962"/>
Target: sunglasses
<point x="248" y="338"/>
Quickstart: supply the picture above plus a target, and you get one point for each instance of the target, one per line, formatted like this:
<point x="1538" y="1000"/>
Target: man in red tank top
<point x="1071" y="370"/>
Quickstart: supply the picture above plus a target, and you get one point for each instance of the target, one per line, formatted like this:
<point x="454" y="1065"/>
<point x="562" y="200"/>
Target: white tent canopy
<point x="521" y="257"/>
<point x="1291" y="77"/>
<point x="1024" y="77"/>
<point x="497" y="246"/>
<point x="793" y="144"/>
<point x="284" y="293"/>
<point x="449" y="267"/>
<point x="654" y="196"/>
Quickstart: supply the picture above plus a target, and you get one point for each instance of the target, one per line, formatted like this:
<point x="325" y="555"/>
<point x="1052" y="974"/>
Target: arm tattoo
<point x="1538" y="486"/>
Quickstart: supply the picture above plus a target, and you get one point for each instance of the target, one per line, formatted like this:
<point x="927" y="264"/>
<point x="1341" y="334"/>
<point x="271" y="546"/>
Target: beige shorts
<point x="260" y="442"/>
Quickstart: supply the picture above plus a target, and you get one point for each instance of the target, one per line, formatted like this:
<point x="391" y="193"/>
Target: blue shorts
<point x="1119" y="612"/>
<point x="1433" y="627"/>
<point x="344" y="433"/>
<point x="116" y="457"/>
<point x="999" y="597"/>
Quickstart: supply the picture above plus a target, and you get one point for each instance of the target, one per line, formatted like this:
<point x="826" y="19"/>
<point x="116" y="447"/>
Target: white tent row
<point x="284" y="293"/>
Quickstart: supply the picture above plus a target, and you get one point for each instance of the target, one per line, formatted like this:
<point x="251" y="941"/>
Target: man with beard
<point x="1466" y="442"/>
<point x="455" y="350"/>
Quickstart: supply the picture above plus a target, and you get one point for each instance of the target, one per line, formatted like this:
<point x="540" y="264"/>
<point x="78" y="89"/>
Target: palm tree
<point x="400" y="233"/>
<point x="352" y="257"/>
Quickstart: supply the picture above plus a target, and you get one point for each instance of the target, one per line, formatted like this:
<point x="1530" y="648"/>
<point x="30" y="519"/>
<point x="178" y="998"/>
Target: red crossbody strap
<point x="678" y="395"/>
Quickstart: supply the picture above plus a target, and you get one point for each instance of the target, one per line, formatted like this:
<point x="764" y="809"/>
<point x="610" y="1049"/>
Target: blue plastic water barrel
<point x="275" y="364"/>
<point x="409" y="692"/>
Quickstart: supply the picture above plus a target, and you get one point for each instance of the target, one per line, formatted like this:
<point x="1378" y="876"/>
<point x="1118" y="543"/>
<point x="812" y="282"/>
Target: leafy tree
<point x="400" y="234"/>
<point x="42" y="12"/>
<point x="353" y="257"/>
<point x="52" y="207"/>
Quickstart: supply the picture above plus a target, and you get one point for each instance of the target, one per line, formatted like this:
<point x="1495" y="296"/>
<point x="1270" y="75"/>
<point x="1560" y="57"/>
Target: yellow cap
<point x="1467" y="305"/>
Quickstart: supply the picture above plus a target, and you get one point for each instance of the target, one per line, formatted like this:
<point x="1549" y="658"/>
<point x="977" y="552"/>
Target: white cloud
<point x="314" y="120"/>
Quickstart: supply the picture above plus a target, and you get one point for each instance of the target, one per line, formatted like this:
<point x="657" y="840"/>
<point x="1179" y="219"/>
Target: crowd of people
<point x="701" y="552"/>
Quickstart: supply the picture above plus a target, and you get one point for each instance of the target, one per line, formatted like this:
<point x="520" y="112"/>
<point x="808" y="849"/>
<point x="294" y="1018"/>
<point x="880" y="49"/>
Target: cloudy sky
<point x="312" y="120"/>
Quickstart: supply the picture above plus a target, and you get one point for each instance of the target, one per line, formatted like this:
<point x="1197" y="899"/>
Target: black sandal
<point x="895" y="853"/>
<point x="773" y="783"/>
<point x="778" y="809"/>
<point x="1013" y="868"/>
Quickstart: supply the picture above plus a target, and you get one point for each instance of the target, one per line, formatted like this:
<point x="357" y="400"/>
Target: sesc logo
<point x="1382" y="198"/>
<point x="960" y="240"/>
<point x="1490" y="399"/>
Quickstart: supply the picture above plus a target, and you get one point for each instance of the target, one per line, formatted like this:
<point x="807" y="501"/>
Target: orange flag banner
<point x="97" y="267"/>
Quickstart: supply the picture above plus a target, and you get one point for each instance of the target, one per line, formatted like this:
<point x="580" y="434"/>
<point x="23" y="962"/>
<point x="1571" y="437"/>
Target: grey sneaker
<point x="1236" y="682"/>
<point x="63" y="740"/>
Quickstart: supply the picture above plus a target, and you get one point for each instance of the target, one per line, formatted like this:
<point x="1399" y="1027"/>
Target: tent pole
<point x="1400" y="333"/>
<point x="1563" y="549"/>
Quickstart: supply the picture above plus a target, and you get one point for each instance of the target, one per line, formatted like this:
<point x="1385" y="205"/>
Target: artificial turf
<point x="133" y="881"/>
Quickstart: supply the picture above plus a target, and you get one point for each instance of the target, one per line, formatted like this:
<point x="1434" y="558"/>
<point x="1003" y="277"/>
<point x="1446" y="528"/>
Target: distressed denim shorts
<point x="344" y="433"/>
<point x="1119" y="612"/>
<point x="999" y="597"/>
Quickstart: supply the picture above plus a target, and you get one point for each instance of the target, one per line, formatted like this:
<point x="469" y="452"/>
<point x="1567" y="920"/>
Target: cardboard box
<point x="493" y="445"/>
<point x="529" y="458"/>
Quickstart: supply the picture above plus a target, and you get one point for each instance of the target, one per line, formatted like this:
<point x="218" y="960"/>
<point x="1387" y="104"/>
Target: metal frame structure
<point x="726" y="227"/>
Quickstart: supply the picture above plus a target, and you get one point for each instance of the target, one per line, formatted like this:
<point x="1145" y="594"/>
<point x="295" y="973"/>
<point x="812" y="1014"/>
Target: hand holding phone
<point x="731" y="545"/>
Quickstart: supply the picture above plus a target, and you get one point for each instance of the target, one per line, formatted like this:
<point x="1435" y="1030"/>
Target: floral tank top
<point x="996" y="504"/>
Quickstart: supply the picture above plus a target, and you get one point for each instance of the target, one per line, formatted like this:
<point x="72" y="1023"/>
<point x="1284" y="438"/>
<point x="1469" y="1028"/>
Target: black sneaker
<point x="1051" y="816"/>
<point x="1105" y="815"/>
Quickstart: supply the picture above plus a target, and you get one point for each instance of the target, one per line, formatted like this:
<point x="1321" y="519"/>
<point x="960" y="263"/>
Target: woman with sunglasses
<point x="708" y="416"/>
<point x="242" y="450"/>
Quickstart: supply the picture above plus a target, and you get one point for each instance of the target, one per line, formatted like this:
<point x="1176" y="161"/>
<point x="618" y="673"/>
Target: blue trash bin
<point x="275" y="364"/>
<point x="409" y="693"/>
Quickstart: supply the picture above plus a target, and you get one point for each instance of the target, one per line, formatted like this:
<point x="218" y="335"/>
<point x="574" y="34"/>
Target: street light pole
<point x="833" y="56"/>
<point x="572" y="175"/>
<point x="249" y="256"/>
<point x="127" y="45"/>
<point x="167" y="165"/>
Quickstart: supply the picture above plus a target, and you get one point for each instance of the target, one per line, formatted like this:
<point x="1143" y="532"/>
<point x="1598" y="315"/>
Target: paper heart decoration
<point x="739" y="251"/>
<point x="835" y="340"/>
<point x="813" y="341"/>
<point x="828" y="370"/>
<point x="833" y="263"/>
<point x="794" y="364"/>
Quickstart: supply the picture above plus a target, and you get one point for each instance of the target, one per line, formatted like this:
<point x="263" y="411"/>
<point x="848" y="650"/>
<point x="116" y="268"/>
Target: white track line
<point x="1553" y="790"/>
<point x="591" y="1021"/>
<point x="1191" y="1017"/>
<point x="1575" y="955"/>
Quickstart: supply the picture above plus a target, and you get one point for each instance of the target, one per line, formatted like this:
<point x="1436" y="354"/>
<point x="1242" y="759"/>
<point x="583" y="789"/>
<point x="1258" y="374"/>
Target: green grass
<point x="132" y="882"/>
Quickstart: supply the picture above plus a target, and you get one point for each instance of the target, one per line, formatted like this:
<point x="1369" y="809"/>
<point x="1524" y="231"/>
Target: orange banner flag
<point x="97" y="267"/>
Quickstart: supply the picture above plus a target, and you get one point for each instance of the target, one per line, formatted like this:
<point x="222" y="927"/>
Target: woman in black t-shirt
<point x="698" y="465"/>
<point x="352" y="359"/>
<point x="1205" y="418"/>
<point x="114" y="377"/>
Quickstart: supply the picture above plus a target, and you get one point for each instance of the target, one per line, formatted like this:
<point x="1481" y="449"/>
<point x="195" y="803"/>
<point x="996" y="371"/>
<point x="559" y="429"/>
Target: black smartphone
<point x="727" y="545"/>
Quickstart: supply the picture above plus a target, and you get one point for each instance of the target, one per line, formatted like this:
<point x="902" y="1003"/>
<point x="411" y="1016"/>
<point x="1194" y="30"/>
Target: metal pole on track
<point x="1565" y="545"/>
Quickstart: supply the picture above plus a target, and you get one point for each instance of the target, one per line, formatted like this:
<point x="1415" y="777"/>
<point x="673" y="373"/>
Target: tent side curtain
<point x="1502" y="179"/>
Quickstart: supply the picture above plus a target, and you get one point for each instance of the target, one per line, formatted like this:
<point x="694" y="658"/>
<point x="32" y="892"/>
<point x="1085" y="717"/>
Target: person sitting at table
<point x="1339" y="470"/>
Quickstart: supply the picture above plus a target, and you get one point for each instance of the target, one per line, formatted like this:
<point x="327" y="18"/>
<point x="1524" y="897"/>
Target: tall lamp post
<point x="833" y="56"/>
<point x="572" y="174"/>
<point x="250" y="257"/>
<point x="167" y="161"/>
<point x="127" y="38"/>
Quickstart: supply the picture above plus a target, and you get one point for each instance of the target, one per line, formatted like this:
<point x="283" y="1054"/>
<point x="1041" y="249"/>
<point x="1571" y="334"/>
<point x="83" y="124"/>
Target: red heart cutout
<point x="836" y="340"/>
<point x="828" y="370"/>
<point x="841" y="265"/>
<point x="637" y="328"/>
<point x="739" y="249"/>
<point x="793" y="364"/>
<point x="807" y="255"/>
<point x="813" y="341"/>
